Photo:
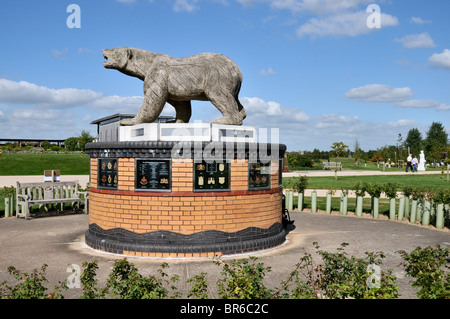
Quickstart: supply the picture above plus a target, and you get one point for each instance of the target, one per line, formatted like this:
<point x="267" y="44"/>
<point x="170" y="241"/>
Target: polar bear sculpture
<point x="205" y="77"/>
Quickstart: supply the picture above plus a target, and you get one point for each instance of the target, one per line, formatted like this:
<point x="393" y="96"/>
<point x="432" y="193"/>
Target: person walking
<point x="409" y="162"/>
<point x="415" y="163"/>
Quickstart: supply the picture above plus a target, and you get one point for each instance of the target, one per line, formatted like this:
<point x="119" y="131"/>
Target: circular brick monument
<point x="184" y="199"/>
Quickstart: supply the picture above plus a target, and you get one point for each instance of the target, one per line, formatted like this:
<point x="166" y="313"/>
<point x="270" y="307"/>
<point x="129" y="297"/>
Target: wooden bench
<point x="331" y="165"/>
<point x="29" y="194"/>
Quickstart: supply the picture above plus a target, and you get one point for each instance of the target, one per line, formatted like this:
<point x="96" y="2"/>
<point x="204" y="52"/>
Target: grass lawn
<point x="349" y="164"/>
<point x="35" y="164"/>
<point x="348" y="182"/>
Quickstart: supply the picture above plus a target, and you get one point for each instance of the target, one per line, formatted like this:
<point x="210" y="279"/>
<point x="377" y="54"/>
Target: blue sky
<point x="313" y="69"/>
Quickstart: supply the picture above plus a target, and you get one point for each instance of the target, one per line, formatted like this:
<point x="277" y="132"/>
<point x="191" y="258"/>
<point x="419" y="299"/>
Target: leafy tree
<point x="71" y="143"/>
<point x="436" y="141"/>
<point x="338" y="148"/>
<point x="84" y="138"/>
<point x="46" y="145"/>
<point x="414" y="141"/>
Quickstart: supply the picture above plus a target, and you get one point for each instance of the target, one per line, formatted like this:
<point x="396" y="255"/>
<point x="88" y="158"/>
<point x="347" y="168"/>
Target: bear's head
<point x="117" y="58"/>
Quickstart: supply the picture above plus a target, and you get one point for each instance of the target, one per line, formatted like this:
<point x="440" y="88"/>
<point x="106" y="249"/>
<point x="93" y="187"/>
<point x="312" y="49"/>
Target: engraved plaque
<point x="211" y="176"/>
<point x="259" y="175"/>
<point x="153" y="175"/>
<point x="107" y="173"/>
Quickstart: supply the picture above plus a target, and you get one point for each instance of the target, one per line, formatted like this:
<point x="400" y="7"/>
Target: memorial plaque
<point x="259" y="175"/>
<point x="153" y="175"/>
<point x="211" y="176"/>
<point x="107" y="173"/>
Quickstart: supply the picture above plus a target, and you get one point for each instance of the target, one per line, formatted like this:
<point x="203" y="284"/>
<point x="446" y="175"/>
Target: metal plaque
<point x="107" y="173"/>
<point x="153" y="175"/>
<point x="211" y="176"/>
<point x="259" y="175"/>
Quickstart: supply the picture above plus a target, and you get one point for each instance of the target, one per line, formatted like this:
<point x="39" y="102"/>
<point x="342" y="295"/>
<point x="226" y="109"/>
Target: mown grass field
<point x="347" y="182"/>
<point x="13" y="164"/>
<point x="35" y="164"/>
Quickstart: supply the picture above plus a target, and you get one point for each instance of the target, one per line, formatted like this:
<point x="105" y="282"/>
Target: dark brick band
<point x="192" y="149"/>
<point x="119" y="240"/>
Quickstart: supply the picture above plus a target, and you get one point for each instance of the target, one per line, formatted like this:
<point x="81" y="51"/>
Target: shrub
<point x="374" y="189"/>
<point x="390" y="189"/>
<point x="300" y="184"/>
<point x="126" y="282"/>
<point x="30" y="286"/>
<point x="243" y="279"/>
<point x="360" y="189"/>
<point x="426" y="266"/>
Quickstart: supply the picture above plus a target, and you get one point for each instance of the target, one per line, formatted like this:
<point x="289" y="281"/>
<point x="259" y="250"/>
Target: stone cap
<point x="185" y="149"/>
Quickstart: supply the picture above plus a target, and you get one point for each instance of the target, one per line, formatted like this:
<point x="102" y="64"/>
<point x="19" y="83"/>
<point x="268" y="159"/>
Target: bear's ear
<point x="129" y="54"/>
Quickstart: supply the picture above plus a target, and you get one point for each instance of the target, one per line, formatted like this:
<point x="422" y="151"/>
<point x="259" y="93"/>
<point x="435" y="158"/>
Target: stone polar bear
<point x="205" y="77"/>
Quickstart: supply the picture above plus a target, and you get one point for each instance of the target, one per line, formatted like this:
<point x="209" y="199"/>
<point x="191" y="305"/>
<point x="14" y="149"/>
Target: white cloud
<point x="418" y="20"/>
<point x="418" y="104"/>
<point x="342" y="24"/>
<point x="402" y="123"/>
<point x="263" y="113"/>
<point x="440" y="60"/>
<point x="379" y="93"/>
<point x="122" y="104"/>
<point x="185" y="5"/>
<point x="438" y="106"/>
<point x="28" y="93"/>
<point x="269" y="71"/>
<point x="292" y="5"/>
<point x="443" y="107"/>
<point x="86" y="50"/>
<point x="257" y="105"/>
<point x="335" y="120"/>
<point x="59" y="54"/>
<point x="412" y="41"/>
<point x="331" y="6"/>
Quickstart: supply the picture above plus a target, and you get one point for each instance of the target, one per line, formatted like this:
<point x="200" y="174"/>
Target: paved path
<point x="59" y="241"/>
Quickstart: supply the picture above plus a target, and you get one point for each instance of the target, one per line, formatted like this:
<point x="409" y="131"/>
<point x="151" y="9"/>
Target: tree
<point x="338" y="148"/>
<point x="84" y="138"/>
<point x="46" y="145"/>
<point x="436" y="141"/>
<point x="358" y="153"/>
<point x="400" y="146"/>
<point x="414" y="141"/>
<point x="71" y="143"/>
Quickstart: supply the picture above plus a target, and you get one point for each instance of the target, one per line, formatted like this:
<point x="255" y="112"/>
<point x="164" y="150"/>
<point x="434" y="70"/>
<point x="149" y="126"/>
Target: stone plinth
<point x="192" y="132"/>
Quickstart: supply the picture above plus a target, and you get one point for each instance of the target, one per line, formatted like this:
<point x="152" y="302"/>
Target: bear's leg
<point x="183" y="111"/>
<point x="227" y="105"/>
<point x="155" y="98"/>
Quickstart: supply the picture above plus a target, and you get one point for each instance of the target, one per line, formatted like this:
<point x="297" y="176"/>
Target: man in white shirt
<point x="409" y="162"/>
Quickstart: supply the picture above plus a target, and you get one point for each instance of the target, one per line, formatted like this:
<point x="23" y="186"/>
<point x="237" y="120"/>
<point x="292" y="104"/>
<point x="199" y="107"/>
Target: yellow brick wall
<point x="182" y="210"/>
